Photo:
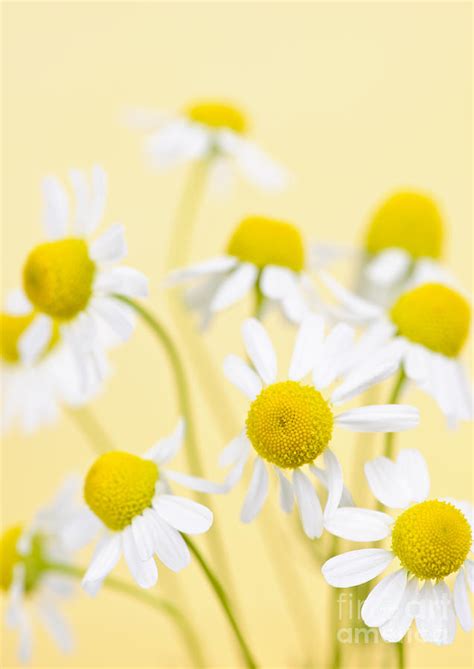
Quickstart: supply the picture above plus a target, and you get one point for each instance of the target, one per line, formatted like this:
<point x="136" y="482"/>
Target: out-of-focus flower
<point x="131" y="502"/>
<point x="290" y="425"/>
<point x="70" y="282"/>
<point x="427" y="325"/>
<point x="431" y="539"/>
<point x="264" y="255"/>
<point x="212" y="130"/>
<point x="27" y="575"/>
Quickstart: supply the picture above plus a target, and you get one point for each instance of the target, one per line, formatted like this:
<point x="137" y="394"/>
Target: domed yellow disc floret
<point x="435" y="316"/>
<point x="9" y="555"/>
<point x="410" y="221"/>
<point x="120" y="486"/>
<point x="217" y="114"/>
<point x="267" y="241"/>
<point x="431" y="539"/>
<point x="58" y="277"/>
<point x="289" y="424"/>
<point x="11" y="329"/>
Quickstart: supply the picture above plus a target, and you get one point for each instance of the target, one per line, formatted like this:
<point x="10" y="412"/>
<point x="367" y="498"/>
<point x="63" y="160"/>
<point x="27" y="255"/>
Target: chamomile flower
<point x="34" y="388"/>
<point x="430" y="541"/>
<point x="213" y="130"/>
<point x="264" y="255"/>
<point x="138" y="516"/>
<point x="70" y="281"/>
<point x="428" y="324"/>
<point x="291" y="425"/>
<point x="406" y="228"/>
<point x="27" y="575"/>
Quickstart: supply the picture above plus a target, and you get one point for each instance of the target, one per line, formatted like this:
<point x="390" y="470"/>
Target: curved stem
<point x="159" y="604"/>
<point x="224" y="602"/>
<point x="92" y="429"/>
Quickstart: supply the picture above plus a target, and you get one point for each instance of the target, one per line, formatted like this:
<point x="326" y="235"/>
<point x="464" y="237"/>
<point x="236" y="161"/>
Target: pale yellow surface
<point x="356" y="99"/>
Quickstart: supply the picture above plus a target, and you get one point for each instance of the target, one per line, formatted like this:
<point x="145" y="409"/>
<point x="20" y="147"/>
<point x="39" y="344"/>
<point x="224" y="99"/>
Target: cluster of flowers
<point x="407" y="317"/>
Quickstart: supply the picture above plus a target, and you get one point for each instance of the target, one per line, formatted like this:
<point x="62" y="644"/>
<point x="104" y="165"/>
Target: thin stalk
<point x="393" y="399"/>
<point x="336" y="652"/>
<point x="91" y="429"/>
<point x="224" y="602"/>
<point x="159" y="604"/>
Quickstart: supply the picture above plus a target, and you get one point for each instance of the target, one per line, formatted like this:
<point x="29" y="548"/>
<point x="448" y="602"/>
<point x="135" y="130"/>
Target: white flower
<point x="34" y="588"/>
<point x="430" y="538"/>
<point x="427" y="326"/>
<point x="35" y="389"/>
<point x="290" y="425"/>
<point x="211" y="130"/>
<point x="138" y="516"/>
<point x="70" y="281"/>
<point x="264" y="255"/>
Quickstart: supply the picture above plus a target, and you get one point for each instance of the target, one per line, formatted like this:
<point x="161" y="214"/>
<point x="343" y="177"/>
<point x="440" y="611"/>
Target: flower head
<point x="138" y="516"/>
<point x="291" y="424"/>
<point x="430" y="539"/>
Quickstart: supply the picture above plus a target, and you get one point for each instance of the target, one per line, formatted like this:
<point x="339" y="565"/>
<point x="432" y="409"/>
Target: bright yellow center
<point x="266" y="241"/>
<point x="120" y="486"/>
<point x="410" y="221"/>
<point x="217" y="114"/>
<point x="435" y="316"/>
<point x="431" y="539"/>
<point x="11" y="329"/>
<point x="9" y="555"/>
<point x="58" y="277"/>
<point x="289" y="424"/>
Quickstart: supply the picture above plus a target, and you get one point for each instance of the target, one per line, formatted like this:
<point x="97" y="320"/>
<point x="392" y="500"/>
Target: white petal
<point x="387" y="483"/>
<point x="416" y="363"/>
<point x="35" y="339"/>
<point x="234" y="287"/>
<point x="260" y="349"/>
<point x="99" y="197"/>
<point x="398" y="625"/>
<point x="461" y="602"/>
<point x="287" y="497"/>
<point x="57" y="627"/>
<point x="83" y="196"/>
<point x="257" y="492"/>
<point x="177" y="142"/>
<point x="218" y="265"/>
<point x="244" y="378"/>
<point x="414" y="470"/>
<point x="356" y="567"/>
<point x="355" y="306"/>
<point x="105" y="558"/>
<point x="307" y="346"/>
<point x="117" y="316"/>
<point x="359" y="524"/>
<point x="254" y="163"/>
<point x="17" y="303"/>
<point x="334" y="483"/>
<point x="321" y="475"/>
<point x="144" y="572"/>
<point x="56" y="208"/>
<point x="309" y="506"/>
<point x="469" y="569"/>
<point x="197" y="483"/>
<point x="277" y="282"/>
<point x="143" y="537"/>
<point x="331" y="355"/>
<point x="388" y="266"/>
<point x="183" y="514"/>
<point x="384" y="599"/>
<point x="166" y="449"/>
<point x="122" y="281"/>
<point x="361" y="379"/>
<point x="170" y="546"/>
<point x="110" y="246"/>
<point x="380" y="418"/>
<point x="233" y="451"/>
<point x="435" y="618"/>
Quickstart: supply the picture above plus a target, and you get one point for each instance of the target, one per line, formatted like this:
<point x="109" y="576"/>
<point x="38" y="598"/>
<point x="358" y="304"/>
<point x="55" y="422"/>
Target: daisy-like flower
<point x="27" y="576"/>
<point x="290" y="424"/>
<point x="430" y="540"/>
<point x="406" y="228"/>
<point x="70" y="281"/>
<point x="213" y="130"/>
<point x="137" y="515"/>
<point x="264" y="255"/>
<point x="35" y="388"/>
<point x="428" y="325"/>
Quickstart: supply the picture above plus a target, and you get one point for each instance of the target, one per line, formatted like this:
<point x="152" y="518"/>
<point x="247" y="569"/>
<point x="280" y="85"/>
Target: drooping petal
<point x="356" y="567"/>
<point x="435" y="617"/>
<point x="257" y="492"/>
<point x="170" y="546"/>
<point x="122" y="280"/>
<point x="116" y="315"/>
<point x="144" y="572"/>
<point x="183" y="514"/>
<point x="356" y="307"/>
<point x="358" y="524"/>
<point x="307" y="346"/>
<point x="234" y="287"/>
<point x="309" y="506"/>
<point x="461" y="602"/>
<point x="143" y="536"/>
<point x="388" y="266"/>
<point x="287" y="497"/>
<point x="334" y="483"/>
<point x="240" y="374"/>
<point x="35" y="339"/>
<point x="387" y="483"/>
<point x="398" y="625"/>
<point x="233" y="451"/>
<point x="110" y="246"/>
<point x="217" y="265"/>
<point x="384" y="599"/>
<point x="380" y="418"/>
<point x="57" y="626"/>
<point x="106" y="556"/>
<point x="260" y="349"/>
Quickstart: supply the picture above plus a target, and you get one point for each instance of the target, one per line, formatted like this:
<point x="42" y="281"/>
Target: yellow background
<point x="356" y="99"/>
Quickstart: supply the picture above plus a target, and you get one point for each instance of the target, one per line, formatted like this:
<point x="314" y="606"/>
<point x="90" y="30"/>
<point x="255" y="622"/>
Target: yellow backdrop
<point x="356" y="99"/>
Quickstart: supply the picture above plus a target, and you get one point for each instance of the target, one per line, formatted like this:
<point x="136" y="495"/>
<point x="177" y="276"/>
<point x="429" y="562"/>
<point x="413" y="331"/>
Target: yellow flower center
<point x="267" y="241"/>
<point x="431" y="539"/>
<point x="289" y="424"/>
<point x="410" y="221"/>
<point x="58" y="277"/>
<point x="11" y="329"/>
<point x="120" y="486"/>
<point x="9" y="555"/>
<point x="217" y="114"/>
<point x="435" y="316"/>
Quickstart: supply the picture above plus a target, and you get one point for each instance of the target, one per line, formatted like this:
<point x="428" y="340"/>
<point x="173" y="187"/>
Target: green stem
<point x="224" y="602"/>
<point x="92" y="429"/>
<point x="159" y="604"/>
<point x="336" y="656"/>
<point x="393" y="399"/>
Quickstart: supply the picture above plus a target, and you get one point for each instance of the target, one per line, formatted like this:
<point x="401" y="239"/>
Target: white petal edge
<point x="260" y="349"/>
<point x="356" y="567"/>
